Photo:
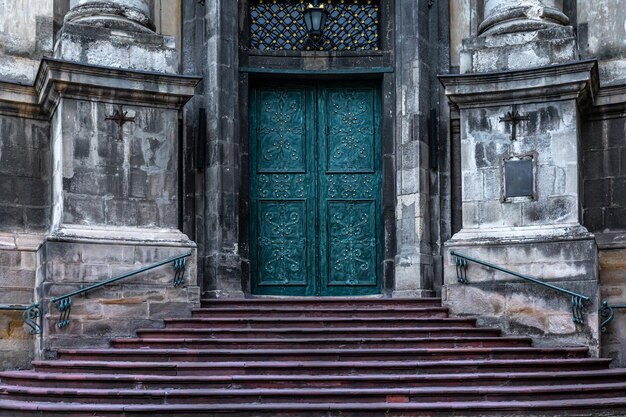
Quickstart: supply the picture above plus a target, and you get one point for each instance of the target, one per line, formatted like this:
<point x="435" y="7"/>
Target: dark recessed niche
<point x="519" y="178"/>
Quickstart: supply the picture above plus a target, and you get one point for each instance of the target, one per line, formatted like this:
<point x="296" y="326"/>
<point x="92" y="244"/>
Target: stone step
<point x="312" y="343"/>
<point x="142" y="381"/>
<point x="322" y="302"/>
<point x="282" y="367"/>
<point x="311" y="395"/>
<point x="296" y="332"/>
<point x="200" y="355"/>
<point x="308" y="322"/>
<point x="333" y="312"/>
<point x="588" y="407"/>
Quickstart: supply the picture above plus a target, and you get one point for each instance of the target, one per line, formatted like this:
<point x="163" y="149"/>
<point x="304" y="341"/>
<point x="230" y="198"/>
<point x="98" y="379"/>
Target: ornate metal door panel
<point x="315" y="191"/>
<point x="349" y="192"/>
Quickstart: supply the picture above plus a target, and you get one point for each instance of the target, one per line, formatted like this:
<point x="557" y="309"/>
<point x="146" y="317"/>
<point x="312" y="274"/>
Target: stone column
<point x="133" y="15"/>
<point x="506" y="16"/>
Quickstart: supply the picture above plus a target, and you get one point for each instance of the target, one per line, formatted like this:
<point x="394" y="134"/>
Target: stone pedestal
<point x="533" y="229"/>
<point x="114" y="139"/>
<point x="517" y="34"/>
<point x="115" y="33"/>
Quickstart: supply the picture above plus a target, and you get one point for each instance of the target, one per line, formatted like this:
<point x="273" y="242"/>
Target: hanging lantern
<point x="315" y="19"/>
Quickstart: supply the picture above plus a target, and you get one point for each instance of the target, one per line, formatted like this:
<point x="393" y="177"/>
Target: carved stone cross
<point x="120" y="117"/>
<point x="514" y="118"/>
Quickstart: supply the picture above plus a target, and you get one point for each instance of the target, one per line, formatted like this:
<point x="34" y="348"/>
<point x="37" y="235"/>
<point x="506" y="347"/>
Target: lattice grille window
<point x="352" y="25"/>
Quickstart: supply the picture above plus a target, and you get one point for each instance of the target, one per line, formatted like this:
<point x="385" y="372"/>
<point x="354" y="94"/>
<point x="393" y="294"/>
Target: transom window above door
<point x="347" y="25"/>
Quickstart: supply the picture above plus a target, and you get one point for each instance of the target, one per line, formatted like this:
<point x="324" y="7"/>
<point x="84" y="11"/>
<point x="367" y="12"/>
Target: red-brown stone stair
<point x="317" y="357"/>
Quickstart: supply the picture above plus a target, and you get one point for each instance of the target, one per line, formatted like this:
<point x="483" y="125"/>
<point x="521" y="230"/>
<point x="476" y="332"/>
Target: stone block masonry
<point x="130" y="182"/>
<point x="520" y="307"/>
<point x="17" y="280"/>
<point x="24" y="174"/>
<point x="26" y="34"/>
<point x="117" y="309"/>
<point x="90" y="199"/>
<point x="538" y="234"/>
<point x="613" y="290"/>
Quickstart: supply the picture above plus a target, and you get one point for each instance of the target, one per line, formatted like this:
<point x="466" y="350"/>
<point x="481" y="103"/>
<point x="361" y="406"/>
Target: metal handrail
<point x="64" y="302"/>
<point x="578" y="300"/>
<point x="29" y="316"/>
<point x="606" y="311"/>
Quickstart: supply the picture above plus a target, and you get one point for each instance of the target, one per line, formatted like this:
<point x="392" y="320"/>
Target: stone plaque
<point x="518" y="178"/>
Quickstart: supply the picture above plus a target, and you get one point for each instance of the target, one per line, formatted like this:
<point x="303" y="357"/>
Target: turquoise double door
<point x="315" y="172"/>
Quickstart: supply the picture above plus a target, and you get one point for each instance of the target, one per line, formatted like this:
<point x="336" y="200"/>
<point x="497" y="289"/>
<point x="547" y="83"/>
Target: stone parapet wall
<point x="520" y="307"/>
<point x="117" y="309"/>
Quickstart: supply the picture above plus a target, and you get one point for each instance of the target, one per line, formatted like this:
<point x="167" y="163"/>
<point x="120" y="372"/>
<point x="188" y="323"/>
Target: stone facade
<point x="124" y="140"/>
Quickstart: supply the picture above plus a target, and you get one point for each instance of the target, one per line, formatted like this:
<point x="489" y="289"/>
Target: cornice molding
<point x="610" y="103"/>
<point x="57" y="78"/>
<point x="578" y="80"/>
<point x="19" y="100"/>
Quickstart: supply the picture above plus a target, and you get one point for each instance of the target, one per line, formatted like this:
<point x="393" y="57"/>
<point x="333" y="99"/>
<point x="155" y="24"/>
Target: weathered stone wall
<point x="117" y="309"/>
<point x="613" y="290"/>
<point x="25" y="36"/>
<point x="604" y="205"/>
<point x="222" y="173"/>
<point x="107" y="47"/>
<point x="522" y="308"/>
<point x="414" y="263"/>
<point x="604" y="173"/>
<point x="128" y="182"/>
<point x="601" y="33"/>
<point x="513" y="51"/>
<point x="550" y="136"/>
<point x="17" y="281"/>
<point x="24" y="174"/>
<point x="536" y="233"/>
<point x="24" y="218"/>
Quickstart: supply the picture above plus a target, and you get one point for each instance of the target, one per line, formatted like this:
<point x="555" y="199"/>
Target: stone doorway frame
<point x="413" y="227"/>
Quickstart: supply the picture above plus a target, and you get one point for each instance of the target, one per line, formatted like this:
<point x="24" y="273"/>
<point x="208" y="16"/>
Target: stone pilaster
<point x="222" y="252"/>
<point x="414" y="267"/>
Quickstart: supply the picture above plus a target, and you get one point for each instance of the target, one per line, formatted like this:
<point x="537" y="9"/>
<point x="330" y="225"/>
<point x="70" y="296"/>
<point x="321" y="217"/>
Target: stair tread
<point x="314" y="320"/>
<point x="318" y="329"/>
<point x="329" y="364"/>
<point x="382" y="377"/>
<point x="313" y="392"/>
<point x="458" y="405"/>
<point x="117" y="351"/>
<point x="297" y="309"/>
<point x="296" y="299"/>
<point x="323" y="362"/>
<point x="338" y="340"/>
